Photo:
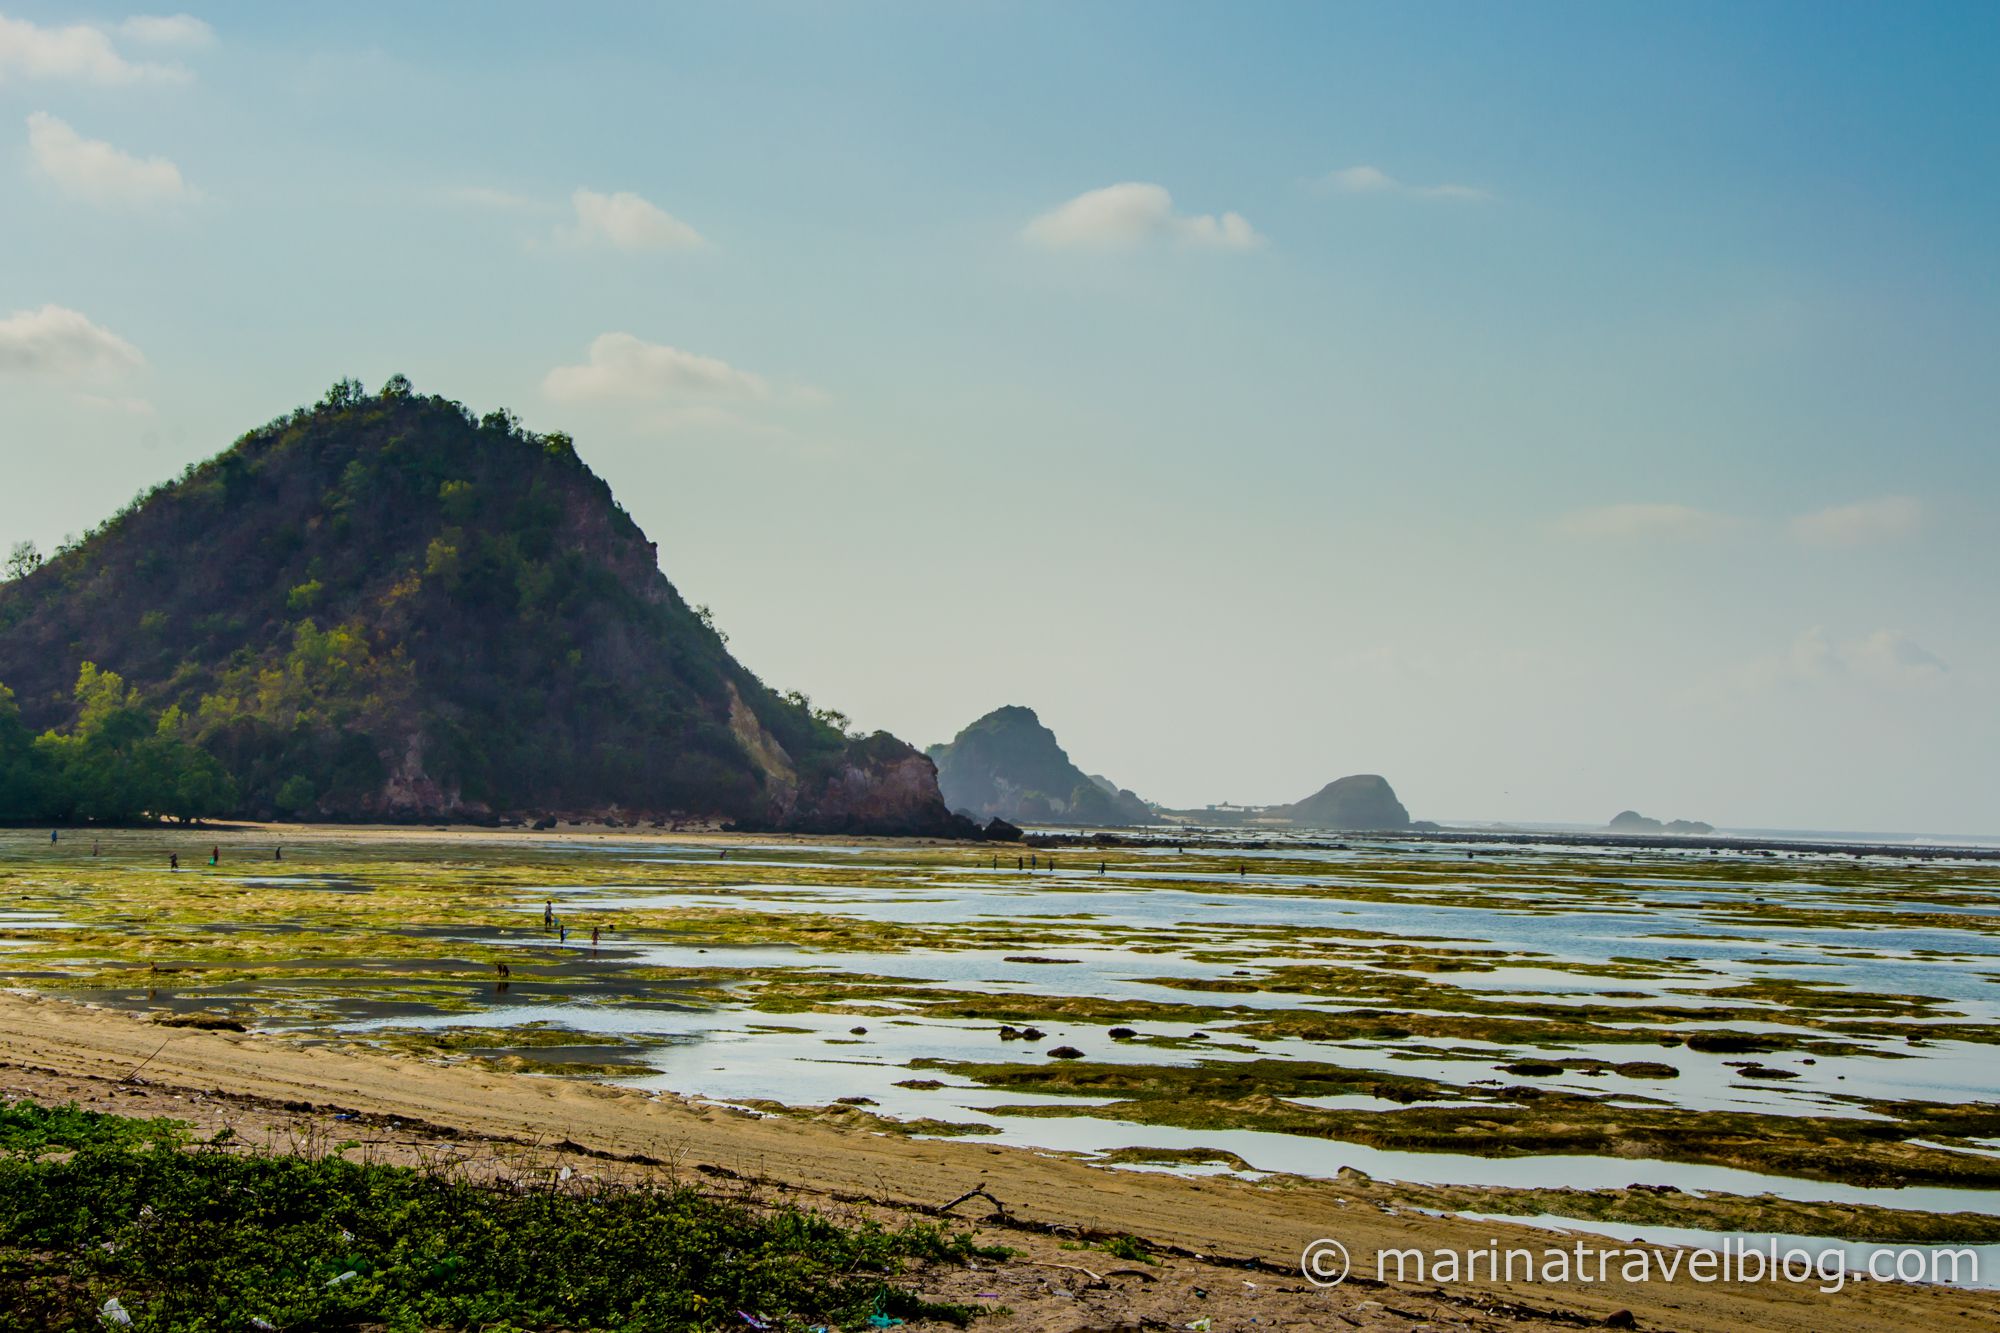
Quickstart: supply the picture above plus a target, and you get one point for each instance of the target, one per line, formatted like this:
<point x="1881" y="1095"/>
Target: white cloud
<point x="1124" y="215"/>
<point x="622" y="366"/>
<point x="1625" y="522"/>
<point x="167" y="30"/>
<point x="628" y="222"/>
<point x="85" y="52"/>
<point x="1882" y="519"/>
<point x="1887" y="658"/>
<point x="1373" y="180"/>
<point x="59" y="342"/>
<point x="92" y="169"/>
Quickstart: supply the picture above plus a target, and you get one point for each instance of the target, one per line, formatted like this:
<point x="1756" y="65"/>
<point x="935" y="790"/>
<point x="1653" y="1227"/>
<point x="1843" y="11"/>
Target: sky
<point x="1555" y="408"/>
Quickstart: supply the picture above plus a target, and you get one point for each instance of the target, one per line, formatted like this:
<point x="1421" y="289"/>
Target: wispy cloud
<point x="88" y="52"/>
<point x="626" y="221"/>
<point x="1885" y="659"/>
<point x="495" y="200"/>
<point x="622" y="366"/>
<point x="58" y="343"/>
<point x="1629" y="522"/>
<point x="93" y="170"/>
<point x="1374" y="180"/>
<point x="167" y="30"/>
<point x="1130" y="214"/>
<point x="1885" y="518"/>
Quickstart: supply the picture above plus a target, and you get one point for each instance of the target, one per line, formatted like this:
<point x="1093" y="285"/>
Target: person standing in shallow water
<point x="215" y="855"/>
<point x="173" y="860"/>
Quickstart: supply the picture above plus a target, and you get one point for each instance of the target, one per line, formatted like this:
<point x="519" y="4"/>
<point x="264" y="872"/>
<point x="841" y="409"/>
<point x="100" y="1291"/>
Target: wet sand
<point x="1238" y="1242"/>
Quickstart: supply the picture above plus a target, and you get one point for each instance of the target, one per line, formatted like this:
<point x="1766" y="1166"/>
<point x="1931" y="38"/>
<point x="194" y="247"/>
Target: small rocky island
<point x="1631" y="821"/>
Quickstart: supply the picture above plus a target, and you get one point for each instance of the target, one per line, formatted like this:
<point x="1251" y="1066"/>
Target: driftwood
<point x="979" y="1192"/>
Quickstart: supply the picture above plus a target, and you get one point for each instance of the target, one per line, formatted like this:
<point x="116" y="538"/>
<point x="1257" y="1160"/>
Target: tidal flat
<point x="1797" y="1044"/>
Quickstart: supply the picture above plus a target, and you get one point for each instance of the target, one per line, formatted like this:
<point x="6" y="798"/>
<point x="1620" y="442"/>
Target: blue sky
<point x="1555" y="408"/>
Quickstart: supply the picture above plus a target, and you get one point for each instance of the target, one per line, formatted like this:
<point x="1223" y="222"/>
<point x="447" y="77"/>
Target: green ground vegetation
<point x="187" y="1236"/>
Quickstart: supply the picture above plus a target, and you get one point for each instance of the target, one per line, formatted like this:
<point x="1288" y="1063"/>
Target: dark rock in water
<point x="999" y="830"/>
<point x="1364" y="801"/>
<point x="1008" y="766"/>
<point x="1647" y="1069"/>
<point x="1531" y="1068"/>
<point x="859" y="1032"/>
<point x="1121" y="1034"/>
<point x="1065" y="1053"/>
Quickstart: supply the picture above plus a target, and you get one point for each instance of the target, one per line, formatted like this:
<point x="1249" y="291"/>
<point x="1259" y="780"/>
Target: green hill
<point x="384" y="607"/>
<point x="1008" y="765"/>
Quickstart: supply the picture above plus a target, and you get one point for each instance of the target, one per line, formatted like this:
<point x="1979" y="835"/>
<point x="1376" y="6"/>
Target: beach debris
<point x="262" y="1325"/>
<point x="114" y="1314"/>
<point x="349" y="1276"/>
<point x="977" y="1192"/>
<point x="751" y="1319"/>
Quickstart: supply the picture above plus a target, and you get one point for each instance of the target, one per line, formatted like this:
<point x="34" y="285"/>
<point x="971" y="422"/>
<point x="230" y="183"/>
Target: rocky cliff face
<point x="384" y="607"/>
<point x="876" y="785"/>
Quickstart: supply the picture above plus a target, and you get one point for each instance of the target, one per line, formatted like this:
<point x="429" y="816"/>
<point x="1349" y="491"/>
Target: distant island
<point x="1007" y="765"/>
<point x="387" y="607"/>
<point x="1631" y="821"/>
<point x="1363" y="802"/>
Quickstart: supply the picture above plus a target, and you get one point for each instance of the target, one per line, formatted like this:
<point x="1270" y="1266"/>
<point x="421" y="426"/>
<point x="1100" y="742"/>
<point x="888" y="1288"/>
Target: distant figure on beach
<point x="1100" y="867"/>
<point x="722" y="855"/>
<point x="52" y="835"/>
<point x="215" y="855"/>
<point x="562" y="934"/>
<point x="593" y="937"/>
<point x="277" y="853"/>
<point x="502" y="969"/>
<point x="173" y="860"/>
<point x="549" y="915"/>
<point x="1239" y="870"/>
<point x="93" y="846"/>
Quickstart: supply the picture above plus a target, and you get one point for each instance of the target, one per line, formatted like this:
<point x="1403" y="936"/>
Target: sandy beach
<point x="1236" y="1243"/>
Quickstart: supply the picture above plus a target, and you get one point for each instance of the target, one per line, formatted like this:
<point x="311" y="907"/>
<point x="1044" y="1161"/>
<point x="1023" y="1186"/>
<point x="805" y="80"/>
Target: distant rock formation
<point x="1631" y="821"/>
<point x="1364" y="801"/>
<point x="1008" y="766"/>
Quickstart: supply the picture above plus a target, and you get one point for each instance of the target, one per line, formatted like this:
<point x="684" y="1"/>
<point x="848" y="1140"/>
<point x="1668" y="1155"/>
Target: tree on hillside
<point x="23" y="560"/>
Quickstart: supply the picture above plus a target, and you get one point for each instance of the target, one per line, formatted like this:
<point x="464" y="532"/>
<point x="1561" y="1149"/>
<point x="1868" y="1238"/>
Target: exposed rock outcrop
<point x="1364" y="801"/>
<point x="1007" y="765"/>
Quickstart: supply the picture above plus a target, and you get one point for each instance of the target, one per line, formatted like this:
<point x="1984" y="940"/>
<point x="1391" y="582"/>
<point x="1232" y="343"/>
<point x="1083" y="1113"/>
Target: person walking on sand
<point x="173" y="860"/>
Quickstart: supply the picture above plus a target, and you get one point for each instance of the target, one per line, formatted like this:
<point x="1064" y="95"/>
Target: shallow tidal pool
<point x="1800" y="1043"/>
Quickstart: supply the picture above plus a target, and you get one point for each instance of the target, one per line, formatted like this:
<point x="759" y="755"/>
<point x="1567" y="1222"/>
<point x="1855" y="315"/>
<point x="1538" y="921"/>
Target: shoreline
<point x="1217" y="1229"/>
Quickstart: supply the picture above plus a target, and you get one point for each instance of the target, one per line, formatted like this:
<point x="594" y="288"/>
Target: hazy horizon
<point x="1554" y="410"/>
